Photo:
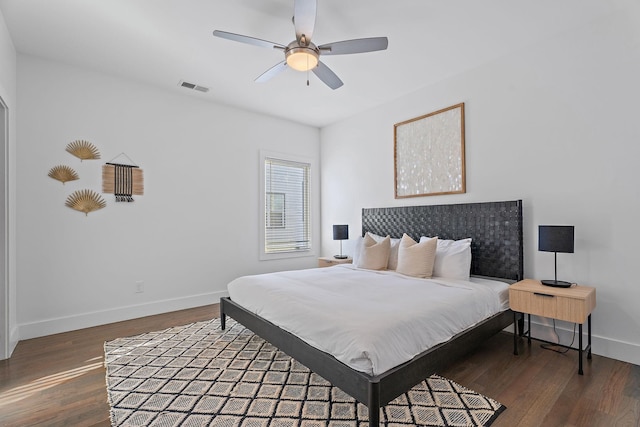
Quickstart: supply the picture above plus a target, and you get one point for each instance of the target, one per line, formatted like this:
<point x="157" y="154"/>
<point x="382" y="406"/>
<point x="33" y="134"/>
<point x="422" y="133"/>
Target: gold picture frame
<point x="429" y="154"/>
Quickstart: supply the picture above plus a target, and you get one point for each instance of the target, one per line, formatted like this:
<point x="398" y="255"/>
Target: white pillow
<point x="357" y="249"/>
<point x="416" y="259"/>
<point x="373" y="255"/>
<point x="393" y="254"/>
<point x="453" y="259"/>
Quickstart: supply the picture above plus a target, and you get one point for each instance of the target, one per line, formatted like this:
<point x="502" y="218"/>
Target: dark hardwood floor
<point x="59" y="380"/>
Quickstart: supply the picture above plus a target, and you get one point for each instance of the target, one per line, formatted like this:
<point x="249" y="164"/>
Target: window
<point x="275" y="210"/>
<point x="287" y="225"/>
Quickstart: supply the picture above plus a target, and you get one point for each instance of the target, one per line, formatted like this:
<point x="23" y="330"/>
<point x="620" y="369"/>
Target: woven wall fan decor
<point x="84" y="150"/>
<point x="63" y="174"/>
<point x="85" y="201"/>
<point x="122" y="180"/>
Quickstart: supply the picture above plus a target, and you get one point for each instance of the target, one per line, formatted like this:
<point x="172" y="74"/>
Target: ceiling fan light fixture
<point x="301" y="54"/>
<point x="302" y="58"/>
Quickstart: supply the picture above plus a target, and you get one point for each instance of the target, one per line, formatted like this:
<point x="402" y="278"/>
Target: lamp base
<point x="340" y="256"/>
<point x="556" y="283"/>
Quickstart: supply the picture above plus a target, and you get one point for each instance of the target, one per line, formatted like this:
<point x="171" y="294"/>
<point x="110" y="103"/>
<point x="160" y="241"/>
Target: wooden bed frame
<point x="497" y="251"/>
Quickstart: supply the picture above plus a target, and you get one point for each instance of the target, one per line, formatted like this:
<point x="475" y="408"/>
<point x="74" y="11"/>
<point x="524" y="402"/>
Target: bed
<point x="497" y="252"/>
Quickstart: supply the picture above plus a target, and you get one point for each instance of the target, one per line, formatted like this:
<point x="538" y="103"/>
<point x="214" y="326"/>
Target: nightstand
<point x="328" y="261"/>
<point x="573" y="304"/>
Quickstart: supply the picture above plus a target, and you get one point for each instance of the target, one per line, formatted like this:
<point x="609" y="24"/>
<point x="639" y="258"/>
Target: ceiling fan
<point x="301" y="54"/>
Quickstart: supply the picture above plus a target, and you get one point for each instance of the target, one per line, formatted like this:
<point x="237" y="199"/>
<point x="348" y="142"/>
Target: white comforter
<point x="370" y="320"/>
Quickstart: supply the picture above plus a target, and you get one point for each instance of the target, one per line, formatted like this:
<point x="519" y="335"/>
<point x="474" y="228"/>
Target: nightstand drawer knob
<point x="543" y="295"/>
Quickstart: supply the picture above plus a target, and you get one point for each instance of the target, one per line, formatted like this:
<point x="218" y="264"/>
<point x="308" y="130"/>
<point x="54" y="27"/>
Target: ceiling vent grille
<point x="193" y="86"/>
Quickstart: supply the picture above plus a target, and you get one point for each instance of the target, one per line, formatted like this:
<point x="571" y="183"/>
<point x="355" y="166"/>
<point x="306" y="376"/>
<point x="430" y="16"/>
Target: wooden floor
<point x="59" y="380"/>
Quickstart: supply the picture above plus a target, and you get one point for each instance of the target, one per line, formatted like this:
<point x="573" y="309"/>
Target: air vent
<point x="193" y="86"/>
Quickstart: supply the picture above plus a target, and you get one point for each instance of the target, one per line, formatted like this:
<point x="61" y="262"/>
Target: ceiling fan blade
<point x="325" y="74"/>
<point x="246" y="39"/>
<point x="354" y="46"/>
<point x="272" y="72"/>
<point x="304" y="18"/>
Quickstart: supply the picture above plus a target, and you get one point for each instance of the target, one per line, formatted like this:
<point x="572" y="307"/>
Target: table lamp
<point x="340" y="232"/>
<point x="555" y="238"/>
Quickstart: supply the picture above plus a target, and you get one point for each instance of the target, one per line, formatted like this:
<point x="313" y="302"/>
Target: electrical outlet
<point x="139" y="286"/>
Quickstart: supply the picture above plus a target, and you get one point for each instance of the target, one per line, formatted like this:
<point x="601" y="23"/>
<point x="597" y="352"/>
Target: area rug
<point x="199" y="375"/>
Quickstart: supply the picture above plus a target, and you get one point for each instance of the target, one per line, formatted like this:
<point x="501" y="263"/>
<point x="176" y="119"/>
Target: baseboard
<point x="11" y="343"/>
<point x="97" y="318"/>
<point x="542" y="328"/>
<point x="14" y="337"/>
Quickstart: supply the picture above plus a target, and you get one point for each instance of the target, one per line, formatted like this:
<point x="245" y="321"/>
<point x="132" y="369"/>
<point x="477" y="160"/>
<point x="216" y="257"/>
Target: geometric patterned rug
<point x="199" y="375"/>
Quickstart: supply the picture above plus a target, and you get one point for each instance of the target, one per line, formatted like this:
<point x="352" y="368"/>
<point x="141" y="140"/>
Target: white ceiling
<point x="161" y="42"/>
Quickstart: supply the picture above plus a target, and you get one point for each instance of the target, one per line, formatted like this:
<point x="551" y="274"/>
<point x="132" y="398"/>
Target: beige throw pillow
<point x="374" y="255"/>
<point x="393" y="253"/>
<point x="416" y="259"/>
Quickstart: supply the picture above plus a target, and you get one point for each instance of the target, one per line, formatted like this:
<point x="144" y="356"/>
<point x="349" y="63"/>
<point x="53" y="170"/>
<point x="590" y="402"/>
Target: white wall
<point x="195" y="228"/>
<point x="8" y="331"/>
<point x="555" y="124"/>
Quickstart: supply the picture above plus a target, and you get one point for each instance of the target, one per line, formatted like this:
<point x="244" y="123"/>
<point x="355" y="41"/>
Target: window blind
<point x="287" y="223"/>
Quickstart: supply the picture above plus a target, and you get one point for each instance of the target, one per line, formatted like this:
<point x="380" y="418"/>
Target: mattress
<point x="370" y="320"/>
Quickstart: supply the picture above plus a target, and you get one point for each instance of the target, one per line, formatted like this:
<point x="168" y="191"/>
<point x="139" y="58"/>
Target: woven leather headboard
<point x="494" y="227"/>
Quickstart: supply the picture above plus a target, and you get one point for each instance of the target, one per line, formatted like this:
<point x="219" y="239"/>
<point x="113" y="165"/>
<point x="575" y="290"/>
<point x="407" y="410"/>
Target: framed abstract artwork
<point x="429" y="154"/>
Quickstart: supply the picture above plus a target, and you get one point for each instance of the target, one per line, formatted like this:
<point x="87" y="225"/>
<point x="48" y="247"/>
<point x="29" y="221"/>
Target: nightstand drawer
<point x="557" y="304"/>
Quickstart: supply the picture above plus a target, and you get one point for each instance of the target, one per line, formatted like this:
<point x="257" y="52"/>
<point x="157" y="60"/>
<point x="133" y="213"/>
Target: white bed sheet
<point x="370" y="320"/>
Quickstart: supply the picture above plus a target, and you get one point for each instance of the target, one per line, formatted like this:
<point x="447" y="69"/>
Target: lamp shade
<point x="340" y="232"/>
<point x="555" y="238"/>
